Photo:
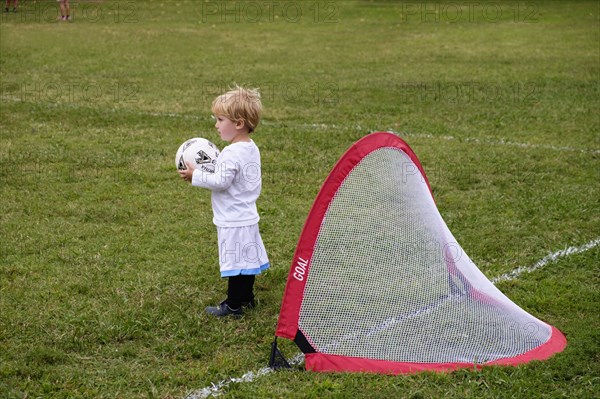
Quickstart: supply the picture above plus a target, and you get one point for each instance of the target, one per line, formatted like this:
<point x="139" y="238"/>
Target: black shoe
<point x="249" y="305"/>
<point x="223" y="309"/>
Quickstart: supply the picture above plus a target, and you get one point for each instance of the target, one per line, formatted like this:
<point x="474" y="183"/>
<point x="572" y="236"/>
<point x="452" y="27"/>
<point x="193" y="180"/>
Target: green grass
<point x="108" y="259"/>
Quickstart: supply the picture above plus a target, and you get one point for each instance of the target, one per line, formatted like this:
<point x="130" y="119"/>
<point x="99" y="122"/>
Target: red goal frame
<point x="288" y="323"/>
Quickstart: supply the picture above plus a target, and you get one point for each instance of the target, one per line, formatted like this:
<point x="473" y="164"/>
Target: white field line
<point x="491" y="141"/>
<point x="325" y="126"/>
<point x="216" y="389"/>
<point x="250" y="376"/>
<point x="483" y="140"/>
<point x="514" y="274"/>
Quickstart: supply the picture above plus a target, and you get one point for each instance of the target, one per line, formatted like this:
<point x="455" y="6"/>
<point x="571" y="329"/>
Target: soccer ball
<point x="200" y="152"/>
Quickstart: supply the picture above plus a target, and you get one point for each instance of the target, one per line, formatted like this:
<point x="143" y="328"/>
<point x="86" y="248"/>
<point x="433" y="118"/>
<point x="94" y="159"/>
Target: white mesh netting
<point x="388" y="281"/>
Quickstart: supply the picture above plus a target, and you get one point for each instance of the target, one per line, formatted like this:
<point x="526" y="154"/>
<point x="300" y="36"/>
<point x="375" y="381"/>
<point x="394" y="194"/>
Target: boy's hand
<point x="186" y="174"/>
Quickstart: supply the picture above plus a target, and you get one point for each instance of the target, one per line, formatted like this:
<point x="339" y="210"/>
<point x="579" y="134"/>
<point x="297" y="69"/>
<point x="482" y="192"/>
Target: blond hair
<point x="239" y="104"/>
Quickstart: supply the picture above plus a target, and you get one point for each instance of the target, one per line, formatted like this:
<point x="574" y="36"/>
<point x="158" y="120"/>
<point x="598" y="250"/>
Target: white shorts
<point x="241" y="251"/>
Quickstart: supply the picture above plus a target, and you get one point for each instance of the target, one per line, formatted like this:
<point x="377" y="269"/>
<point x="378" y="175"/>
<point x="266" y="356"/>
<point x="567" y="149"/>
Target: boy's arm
<point x="221" y="179"/>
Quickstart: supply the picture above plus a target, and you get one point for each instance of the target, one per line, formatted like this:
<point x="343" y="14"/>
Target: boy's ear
<point x="240" y="124"/>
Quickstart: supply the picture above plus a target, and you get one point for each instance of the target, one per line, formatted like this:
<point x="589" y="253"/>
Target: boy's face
<point x="229" y="130"/>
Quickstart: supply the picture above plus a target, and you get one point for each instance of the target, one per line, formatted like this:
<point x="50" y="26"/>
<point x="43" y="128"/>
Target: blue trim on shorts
<point x="246" y="272"/>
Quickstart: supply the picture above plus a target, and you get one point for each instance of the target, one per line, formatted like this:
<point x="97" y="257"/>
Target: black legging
<point x="240" y="290"/>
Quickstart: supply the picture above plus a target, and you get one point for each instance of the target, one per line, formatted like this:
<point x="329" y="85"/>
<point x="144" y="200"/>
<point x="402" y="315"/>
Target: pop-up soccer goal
<point x="379" y="284"/>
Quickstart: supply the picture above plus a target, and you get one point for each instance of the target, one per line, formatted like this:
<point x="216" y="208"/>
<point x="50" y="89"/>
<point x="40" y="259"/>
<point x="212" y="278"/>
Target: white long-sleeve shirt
<point x="235" y="185"/>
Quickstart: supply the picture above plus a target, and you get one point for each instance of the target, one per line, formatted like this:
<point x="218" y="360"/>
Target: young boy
<point x="65" y="10"/>
<point x="15" y="5"/>
<point x="235" y="186"/>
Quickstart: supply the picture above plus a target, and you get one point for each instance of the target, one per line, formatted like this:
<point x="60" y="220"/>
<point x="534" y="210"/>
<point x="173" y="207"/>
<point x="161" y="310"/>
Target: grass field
<point x="108" y="259"/>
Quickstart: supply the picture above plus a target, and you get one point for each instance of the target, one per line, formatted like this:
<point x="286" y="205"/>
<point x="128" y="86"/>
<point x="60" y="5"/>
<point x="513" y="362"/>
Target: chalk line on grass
<point x="482" y="140"/>
<point x="515" y="273"/>
<point x="250" y="376"/>
<point x="215" y="389"/>
<point x="327" y="126"/>
<point x="501" y="142"/>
